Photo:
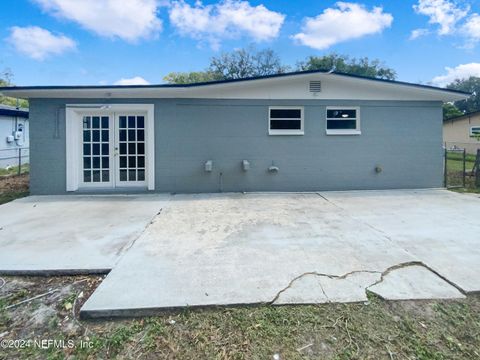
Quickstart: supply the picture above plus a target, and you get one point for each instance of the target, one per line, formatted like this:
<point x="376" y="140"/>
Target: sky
<point x="102" y="42"/>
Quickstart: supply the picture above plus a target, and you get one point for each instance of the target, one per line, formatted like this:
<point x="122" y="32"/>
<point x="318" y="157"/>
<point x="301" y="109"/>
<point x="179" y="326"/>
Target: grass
<point x="374" y="330"/>
<point x="24" y="169"/>
<point x="8" y="196"/>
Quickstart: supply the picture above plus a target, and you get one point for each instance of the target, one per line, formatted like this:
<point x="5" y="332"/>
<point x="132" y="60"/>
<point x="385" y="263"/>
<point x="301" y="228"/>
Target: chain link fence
<point x="14" y="161"/>
<point x="461" y="165"/>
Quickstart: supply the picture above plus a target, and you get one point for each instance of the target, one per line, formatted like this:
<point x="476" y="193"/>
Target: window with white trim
<point x="343" y="121"/>
<point x="285" y="120"/>
<point x="475" y="131"/>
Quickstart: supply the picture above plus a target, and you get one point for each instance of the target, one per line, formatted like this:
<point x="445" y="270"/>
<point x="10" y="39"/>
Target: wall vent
<point x="315" y="86"/>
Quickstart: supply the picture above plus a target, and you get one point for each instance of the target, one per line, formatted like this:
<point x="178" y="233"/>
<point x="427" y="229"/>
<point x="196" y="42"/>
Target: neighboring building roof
<point x="6" y="110"/>
<point x="466" y="115"/>
<point x="378" y="89"/>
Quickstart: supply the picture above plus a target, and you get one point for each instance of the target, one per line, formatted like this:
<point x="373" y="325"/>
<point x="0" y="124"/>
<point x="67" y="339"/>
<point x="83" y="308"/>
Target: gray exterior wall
<point x="404" y="138"/>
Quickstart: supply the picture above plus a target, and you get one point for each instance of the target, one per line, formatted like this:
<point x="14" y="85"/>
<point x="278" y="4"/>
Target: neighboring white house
<point x="14" y="135"/>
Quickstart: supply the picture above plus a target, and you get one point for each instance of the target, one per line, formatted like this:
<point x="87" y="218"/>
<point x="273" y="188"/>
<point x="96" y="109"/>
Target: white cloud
<point x="39" y="43"/>
<point x="471" y="29"/>
<point x="344" y="22"/>
<point x="137" y="80"/>
<point x="415" y="34"/>
<point x="227" y="19"/>
<point x="445" y="13"/>
<point x="129" y="20"/>
<point x="463" y="71"/>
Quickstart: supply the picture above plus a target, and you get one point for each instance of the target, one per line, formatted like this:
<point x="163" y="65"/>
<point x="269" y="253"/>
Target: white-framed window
<point x="285" y="120"/>
<point x="343" y="120"/>
<point x="475" y="131"/>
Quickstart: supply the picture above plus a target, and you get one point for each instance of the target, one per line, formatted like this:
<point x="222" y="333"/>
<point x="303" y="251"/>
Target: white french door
<point x="113" y="150"/>
<point x="130" y="150"/>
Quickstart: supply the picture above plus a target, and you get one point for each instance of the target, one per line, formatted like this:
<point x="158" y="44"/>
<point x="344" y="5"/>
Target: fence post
<point x="464" y="166"/>
<point x="19" y="161"/>
<point x="445" y="167"/>
<point x="477" y="169"/>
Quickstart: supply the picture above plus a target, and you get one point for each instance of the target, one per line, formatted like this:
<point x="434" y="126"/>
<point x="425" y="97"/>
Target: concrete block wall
<point x="403" y="138"/>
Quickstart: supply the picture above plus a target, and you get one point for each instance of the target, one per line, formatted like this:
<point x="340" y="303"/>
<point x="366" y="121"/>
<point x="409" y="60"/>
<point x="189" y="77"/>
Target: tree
<point x="238" y="64"/>
<point x="470" y="85"/>
<point x="6" y="77"/>
<point x="244" y="63"/>
<point x="344" y="64"/>
<point x="450" y="111"/>
<point x="190" y="77"/>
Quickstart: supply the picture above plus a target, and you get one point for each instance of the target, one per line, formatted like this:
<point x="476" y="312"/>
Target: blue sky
<point x="70" y="42"/>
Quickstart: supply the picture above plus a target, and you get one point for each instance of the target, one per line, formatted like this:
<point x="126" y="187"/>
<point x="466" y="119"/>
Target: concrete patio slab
<point x="242" y="249"/>
<point x="227" y="249"/>
<point x="439" y="227"/>
<point x="71" y="234"/>
<point x="414" y="282"/>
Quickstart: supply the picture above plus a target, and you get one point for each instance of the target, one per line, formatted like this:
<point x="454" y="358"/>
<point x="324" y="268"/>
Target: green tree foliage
<point x="344" y="64"/>
<point x="249" y="62"/>
<point x="471" y="85"/>
<point x="191" y="77"/>
<point x="238" y="64"/>
<point x="245" y="63"/>
<point x="450" y="111"/>
<point x="6" y="77"/>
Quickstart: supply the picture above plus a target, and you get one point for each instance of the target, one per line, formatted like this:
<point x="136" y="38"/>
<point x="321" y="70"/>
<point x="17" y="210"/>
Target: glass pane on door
<point x="96" y="149"/>
<point x="131" y="148"/>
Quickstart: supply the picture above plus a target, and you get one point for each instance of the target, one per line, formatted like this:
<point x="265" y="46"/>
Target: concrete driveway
<point x="71" y="234"/>
<point x="229" y="249"/>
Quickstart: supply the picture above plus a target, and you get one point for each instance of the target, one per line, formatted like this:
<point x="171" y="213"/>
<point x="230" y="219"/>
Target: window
<point x="285" y="120"/>
<point x="343" y="121"/>
<point x="475" y="131"/>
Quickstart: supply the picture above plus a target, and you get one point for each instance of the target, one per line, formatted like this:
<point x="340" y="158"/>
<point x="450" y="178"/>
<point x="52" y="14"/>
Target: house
<point x="463" y="132"/>
<point x="14" y="131"/>
<point x="301" y="131"/>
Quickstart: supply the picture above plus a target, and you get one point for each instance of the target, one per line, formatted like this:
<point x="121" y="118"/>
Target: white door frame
<point x="73" y="117"/>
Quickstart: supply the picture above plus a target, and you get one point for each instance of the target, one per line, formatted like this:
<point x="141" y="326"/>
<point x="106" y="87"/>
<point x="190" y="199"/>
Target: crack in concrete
<point x="323" y="291"/>
<point x="415" y="263"/>
<point x="383" y="274"/>
<point x="314" y="273"/>
<point x="125" y="249"/>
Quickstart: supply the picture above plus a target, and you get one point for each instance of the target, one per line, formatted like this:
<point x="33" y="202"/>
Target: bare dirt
<point x="15" y="183"/>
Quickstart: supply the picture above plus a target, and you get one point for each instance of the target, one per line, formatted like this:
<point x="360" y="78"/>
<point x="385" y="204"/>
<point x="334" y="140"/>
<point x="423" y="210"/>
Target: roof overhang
<point x="282" y="86"/>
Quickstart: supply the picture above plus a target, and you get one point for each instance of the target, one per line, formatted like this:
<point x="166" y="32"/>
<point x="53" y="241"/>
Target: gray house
<point x="300" y="131"/>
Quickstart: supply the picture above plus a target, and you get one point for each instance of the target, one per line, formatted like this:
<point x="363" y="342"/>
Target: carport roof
<point x="6" y="110"/>
<point x="190" y="90"/>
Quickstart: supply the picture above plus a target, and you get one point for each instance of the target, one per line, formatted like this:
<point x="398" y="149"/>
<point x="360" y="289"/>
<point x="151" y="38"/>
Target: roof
<point x="197" y="89"/>
<point x="6" y="110"/>
<point x="466" y="115"/>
